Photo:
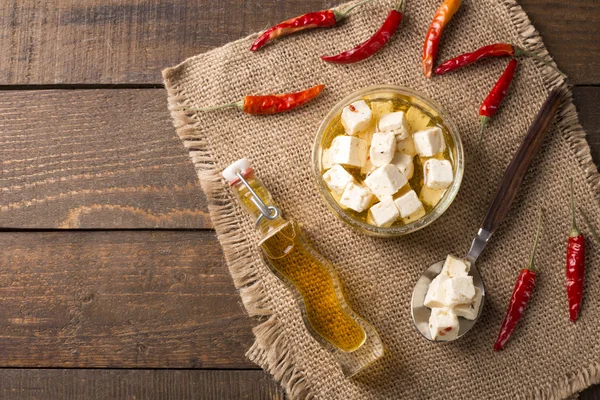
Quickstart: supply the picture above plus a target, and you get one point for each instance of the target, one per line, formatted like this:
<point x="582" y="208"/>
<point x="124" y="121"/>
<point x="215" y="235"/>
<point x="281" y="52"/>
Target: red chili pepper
<point x="372" y="45"/>
<point x="575" y="265"/>
<point x="520" y="296"/>
<point x="492" y="50"/>
<point x="434" y="34"/>
<point x="318" y="19"/>
<point x="270" y="103"/>
<point x="494" y="98"/>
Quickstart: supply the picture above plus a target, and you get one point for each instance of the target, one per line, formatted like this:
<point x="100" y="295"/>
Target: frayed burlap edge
<point x="271" y="350"/>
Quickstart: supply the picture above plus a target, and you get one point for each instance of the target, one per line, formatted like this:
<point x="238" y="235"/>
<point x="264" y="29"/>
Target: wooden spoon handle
<point x="521" y="162"/>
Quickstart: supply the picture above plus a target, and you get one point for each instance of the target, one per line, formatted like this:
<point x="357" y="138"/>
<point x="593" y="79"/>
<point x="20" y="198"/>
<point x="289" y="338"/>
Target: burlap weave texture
<point x="547" y="357"/>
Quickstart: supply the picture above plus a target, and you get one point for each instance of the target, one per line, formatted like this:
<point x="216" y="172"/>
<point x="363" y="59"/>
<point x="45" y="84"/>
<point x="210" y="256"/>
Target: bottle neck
<point x="246" y="199"/>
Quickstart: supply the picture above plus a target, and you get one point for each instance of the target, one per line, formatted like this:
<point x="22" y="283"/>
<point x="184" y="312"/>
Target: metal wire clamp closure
<point x="268" y="212"/>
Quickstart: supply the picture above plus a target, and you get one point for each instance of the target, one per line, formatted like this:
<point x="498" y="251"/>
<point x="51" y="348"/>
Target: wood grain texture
<point x="94" y="159"/>
<point x="130" y="41"/>
<point x="94" y="384"/>
<point x="152" y="299"/>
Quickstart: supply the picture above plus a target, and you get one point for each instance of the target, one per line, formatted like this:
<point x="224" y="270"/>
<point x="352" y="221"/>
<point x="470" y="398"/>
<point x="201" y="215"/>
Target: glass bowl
<point x="427" y="106"/>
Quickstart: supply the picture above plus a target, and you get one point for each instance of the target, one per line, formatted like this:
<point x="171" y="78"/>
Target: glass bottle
<point x="353" y="341"/>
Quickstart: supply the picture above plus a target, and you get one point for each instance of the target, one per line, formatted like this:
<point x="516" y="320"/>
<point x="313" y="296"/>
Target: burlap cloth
<point x="547" y="356"/>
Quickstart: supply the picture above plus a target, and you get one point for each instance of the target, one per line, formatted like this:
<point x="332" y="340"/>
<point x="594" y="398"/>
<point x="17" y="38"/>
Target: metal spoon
<point x="498" y="209"/>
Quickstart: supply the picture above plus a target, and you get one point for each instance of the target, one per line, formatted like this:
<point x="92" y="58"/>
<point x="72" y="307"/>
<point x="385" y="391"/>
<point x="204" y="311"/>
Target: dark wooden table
<point x="112" y="283"/>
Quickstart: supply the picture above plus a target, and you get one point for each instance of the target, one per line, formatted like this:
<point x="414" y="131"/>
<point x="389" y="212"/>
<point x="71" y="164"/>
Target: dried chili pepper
<point x="372" y="45"/>
<point x="434" y="34"/>
<point x="318" y="19"/>
<point x="520" y="296"/>
<point x="575" y="265"/>
<point x="590" y="226"/>
<point x="494" y="98"/>
<point x="270" y="103"/>
<point x="492" y="50"/>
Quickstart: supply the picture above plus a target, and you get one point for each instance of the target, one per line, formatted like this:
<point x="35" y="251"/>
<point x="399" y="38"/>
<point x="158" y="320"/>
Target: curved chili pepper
<point x="318" y="19"/>
<point x="434" y="34"/>
<point x="494" y="98"/>
<point x="270" y="103"/>
<point x="520" y="296"/>
<point x="492" y="50"/>
<point x="372" y="45"/>
<point x="575" y="265"/>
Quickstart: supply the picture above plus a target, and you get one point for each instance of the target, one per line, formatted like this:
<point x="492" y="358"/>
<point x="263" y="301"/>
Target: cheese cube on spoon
<point x="459" y="290"/>
<point x="395" y="123"/>
<point x="349" y="150"/>
<point x="438" y="174"/>
<point x="436" y="294"/>
<point x="404" y="163"/>
<point x="409" y="204"/>
<point x="383" y="147"/>
<point x="454" y="266"/>
<point x="356" y="117"/>
<point x="470" y="311"/>
<point x="443" y="324"/>
<point x="385" y="181"/>
<point x="383" y="213"/>
<point x="356" y="197"/>
<point x="406" y="146"/>
<point x="337" y="178"/>
<point x="429" y="141"/>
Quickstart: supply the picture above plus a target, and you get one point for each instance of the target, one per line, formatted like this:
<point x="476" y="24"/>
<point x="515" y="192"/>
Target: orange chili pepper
<point x="434" y="34"/>
<point x="268" y="103"/>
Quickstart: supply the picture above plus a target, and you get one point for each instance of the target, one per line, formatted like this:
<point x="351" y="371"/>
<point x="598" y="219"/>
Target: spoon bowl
<point x="421" y="314"/>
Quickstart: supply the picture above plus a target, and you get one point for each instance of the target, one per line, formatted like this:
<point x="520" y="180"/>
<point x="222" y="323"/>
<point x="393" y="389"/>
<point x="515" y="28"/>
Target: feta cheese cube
<point x="417" y="119"/>
<point x="429" y="141"/>
<point x="404" y="163"/>
<point x="437" y="174"/>
<point x="395" y="123"/>
<point x="406" y="146"/>
<point x="414" y="216"/>
<point x="349" y="150"/>
<point x="383" y="147"/>
<point x="337" y="178"/>
<point x="409" y="204"/>
<point x="436" y="294"/>
<point x="443" y="324"/>
<point x="454" y="266"/>
<point x="431" y="196"/>
<point x="385" y="181"/>
<point x="459" y="290"/>
<point x="368" y="168"/>
<point x="384" y="213"/>
<point x="326" y="159"/>
<point x="470" y="311"/>
<point x="381" y="108"/>
<point x="356" y="197"/>
<point x="356" y="117"/>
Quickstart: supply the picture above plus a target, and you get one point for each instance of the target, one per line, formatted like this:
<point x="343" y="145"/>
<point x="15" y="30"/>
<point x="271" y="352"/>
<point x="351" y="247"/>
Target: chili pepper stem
<point x="574" y="229"/>
<point x="535" y="242"/>
<point x="239" y="104"/>
<point x="522" y="52"/>
<point x="590" y="226"/>
<point x="340" y="15"/>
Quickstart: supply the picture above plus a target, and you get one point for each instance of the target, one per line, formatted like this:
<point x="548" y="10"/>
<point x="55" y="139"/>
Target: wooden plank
<point x="116" y="41"/>
<point x="94" y="384"/>
<point x="125" y="299"/>
<point x="94" y="159"/>
<point x="110" y="159"/>
<point x="571" y="32"/>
